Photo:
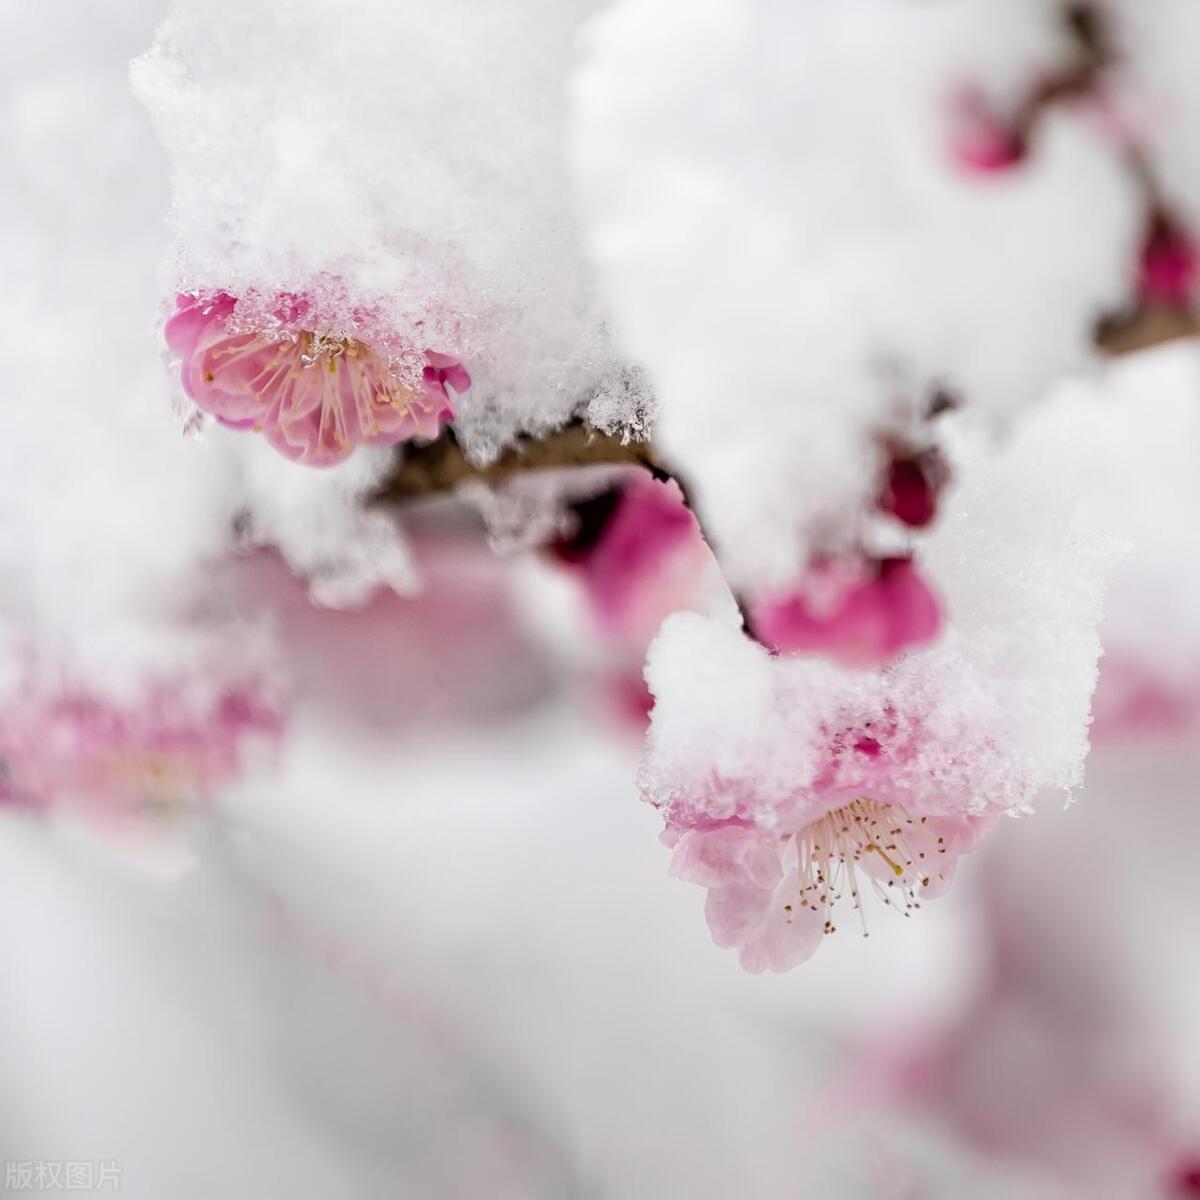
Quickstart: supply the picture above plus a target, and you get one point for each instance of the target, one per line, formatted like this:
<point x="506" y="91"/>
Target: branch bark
<point x="442" y="465"/>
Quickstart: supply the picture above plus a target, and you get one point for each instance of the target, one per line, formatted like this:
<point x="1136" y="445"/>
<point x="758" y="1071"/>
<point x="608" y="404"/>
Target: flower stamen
<point x="857" y="838"/>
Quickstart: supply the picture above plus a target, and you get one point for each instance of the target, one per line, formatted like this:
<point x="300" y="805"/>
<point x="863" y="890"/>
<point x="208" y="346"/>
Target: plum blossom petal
<point x="769" y="929"/>
<point x="727" y="854"/>
<point x="195" y="316"/>
<point x="444" y="371"/>
<point x="751" y="906"/>
<point x="857" y="614"/>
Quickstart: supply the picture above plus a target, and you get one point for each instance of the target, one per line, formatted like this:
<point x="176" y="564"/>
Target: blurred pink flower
<point x="1136" y="700"/>
<point x="313" y="397"/>
<point x="638" y="555"/>
<point x="456" y="652"/>
<point x="857" y="613"/>
<point x="1167" y="269"/>
<point x="1067" y="1049"/>
<point x="639" y="560"/>
<point x="1185" y="1180"/>
<point x="118" y="760"/>
<point x="982" y="143"/>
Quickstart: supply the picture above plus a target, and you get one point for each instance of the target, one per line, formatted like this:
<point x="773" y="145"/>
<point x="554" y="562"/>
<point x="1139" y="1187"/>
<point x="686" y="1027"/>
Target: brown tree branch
<point x="1146" y="327"/>
<point x="442" y="465"/>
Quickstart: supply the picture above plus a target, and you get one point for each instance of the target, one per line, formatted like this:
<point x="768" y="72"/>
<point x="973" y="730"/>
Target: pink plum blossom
<point x="314" y="397"/>
<point x="776" y="872"/>
<point x="859" y="613"/>
<point x="638" y="554"/>
<point x="772" y="896"/>
<point x="641" y="563"/>
<point x="119" y="760"/>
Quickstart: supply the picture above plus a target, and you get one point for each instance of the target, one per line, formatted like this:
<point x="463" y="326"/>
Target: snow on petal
<point x="873" y="782"/>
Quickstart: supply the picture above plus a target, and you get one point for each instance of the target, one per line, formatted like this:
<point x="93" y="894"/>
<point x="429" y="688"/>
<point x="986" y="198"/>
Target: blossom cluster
<point x="835" y="328"/>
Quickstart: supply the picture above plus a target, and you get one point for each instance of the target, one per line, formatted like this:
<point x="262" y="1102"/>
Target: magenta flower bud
<point x="911" y="491"/>
<point x="1167" y="270"/>
<point x="981" y="143"/>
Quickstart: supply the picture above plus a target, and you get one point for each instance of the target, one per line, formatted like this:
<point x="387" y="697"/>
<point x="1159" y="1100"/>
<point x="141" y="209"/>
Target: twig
<point x="442" y="465"/>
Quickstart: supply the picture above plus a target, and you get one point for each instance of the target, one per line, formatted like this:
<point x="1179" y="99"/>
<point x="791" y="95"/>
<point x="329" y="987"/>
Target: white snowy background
<point x="432" y="950"/>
